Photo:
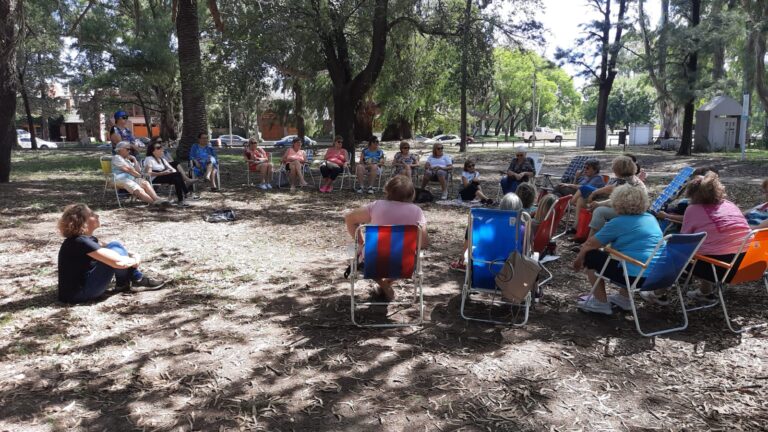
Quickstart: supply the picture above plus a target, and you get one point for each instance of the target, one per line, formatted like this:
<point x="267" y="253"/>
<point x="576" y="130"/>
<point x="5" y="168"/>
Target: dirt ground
<point x="254" y="331"/>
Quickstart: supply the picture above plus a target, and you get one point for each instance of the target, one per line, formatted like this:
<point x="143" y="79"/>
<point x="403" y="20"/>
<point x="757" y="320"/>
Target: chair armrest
<point x="620" y="255"/>
<point x="712" y="261"/>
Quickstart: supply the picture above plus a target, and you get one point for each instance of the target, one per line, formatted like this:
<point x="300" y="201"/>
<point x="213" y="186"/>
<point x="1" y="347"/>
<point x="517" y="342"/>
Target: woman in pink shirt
<point x="396" y="208"/>
<point x="294" y="160"/>
<point x="724" y="224"/>
<point x="335" y="160"/>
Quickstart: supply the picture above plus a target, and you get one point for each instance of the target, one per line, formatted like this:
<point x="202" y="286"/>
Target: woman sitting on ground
<point x="724" y="224"/>
<point x="405" y="161"/>
<point x="371" y="161"/>
<point x="470" y="184"/>
<point x="633" y="232"/>
<point x="125" y="171"/>
<point x="396" y="208"/>
<point x="757" y="216"/>
<point x="527" y="194"/>
<point x="588" y="176"/>
<point x="205" y="162"/>
<point x="161" y="172"/>
<point x="509" y="202"/>
<point x="519" y="171"/>
<point x="336" y="158"/>
<point x="86" y="266"/>
<point x="258" y="162"/>
<point x="293" y="163"/>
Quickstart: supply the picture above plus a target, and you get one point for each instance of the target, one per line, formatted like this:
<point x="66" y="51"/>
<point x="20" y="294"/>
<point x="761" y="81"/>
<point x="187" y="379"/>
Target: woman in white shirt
<point x="437" y="168"/>
<point x="161" y="172"/>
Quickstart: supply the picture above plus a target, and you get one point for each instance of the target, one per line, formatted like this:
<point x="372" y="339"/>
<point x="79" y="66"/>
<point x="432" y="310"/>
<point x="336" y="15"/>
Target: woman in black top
<point x="86" y="266"/>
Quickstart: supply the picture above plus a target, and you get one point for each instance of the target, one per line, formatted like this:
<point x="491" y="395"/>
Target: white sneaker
<point x="700" y="296"/>
<point x="359" y="190"/>
<point x="370" y="190"/>
<point x="268" y="185"/>
<point x="652" y="298"/>
<point x="444" y="195"/>
<point x="594" y="305"/>
<point x="263" y="186"/>
<point x="620" y="301"/>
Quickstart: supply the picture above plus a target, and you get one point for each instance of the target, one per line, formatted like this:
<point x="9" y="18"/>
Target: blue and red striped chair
<point x="388" y="252"/>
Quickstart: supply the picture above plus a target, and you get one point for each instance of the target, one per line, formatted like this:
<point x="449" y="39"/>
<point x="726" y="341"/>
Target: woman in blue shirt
<point x="633" y="232"/>
<point x="371" y="159"/>
<point x="205" y="163"/>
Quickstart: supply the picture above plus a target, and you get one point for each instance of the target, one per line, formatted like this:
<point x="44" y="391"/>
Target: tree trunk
<point x="718" y="44"/>
<point x="147" y="116"/>
<point x="28" y="112"/>
<point x="691" y="71"/>
<point x="343" y="121"/>
<point x="298" y="108"/>
<point x="10" y="25"/>
<point x="670" y="118"/>
<point x="167" y="106"/>
<point x="191" y="73"/>
<point x="601" y="139"/>
<point x="761" y="87"/>
<point x="44" y="113"/>
<point x="464" y="74"/>
<point x="397" y="130"/>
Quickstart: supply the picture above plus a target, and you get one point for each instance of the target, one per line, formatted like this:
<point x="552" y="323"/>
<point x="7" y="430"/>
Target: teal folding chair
<point x="493" y="235"/>
<point x="388" y="252"/>
<point x="662" y="270"/>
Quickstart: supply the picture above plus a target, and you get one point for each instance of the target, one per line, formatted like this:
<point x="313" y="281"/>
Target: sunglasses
<point x="438" y="148"/>
<point x="404" y="148"/>
<point x="158" y="148"/>
<point x="520" y="154"/>
<point x="124" y="117"/>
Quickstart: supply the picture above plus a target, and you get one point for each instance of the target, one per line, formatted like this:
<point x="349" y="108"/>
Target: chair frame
<point x="552" y="213"/>
<point x="383" y="167"/>
<point x="538" y="165"/>
<point x="151" y="179"/>
<point x="191" y="167"/>
<point x="306" y="167"/>
<point x="417" y="277"/>
<point x="256" y="174"/>
<point x="467" y="288"/>
<point x="720" y="285"/>
<point x="633" y="289"/>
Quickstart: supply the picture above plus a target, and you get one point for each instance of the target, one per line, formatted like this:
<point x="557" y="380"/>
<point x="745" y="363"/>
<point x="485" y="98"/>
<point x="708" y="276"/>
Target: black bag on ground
<point x="423" y="196"/>
<point x="223" y="215"/>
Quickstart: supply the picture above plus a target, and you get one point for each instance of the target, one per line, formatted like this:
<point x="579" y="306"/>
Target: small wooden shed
<point x="717" y="125"/>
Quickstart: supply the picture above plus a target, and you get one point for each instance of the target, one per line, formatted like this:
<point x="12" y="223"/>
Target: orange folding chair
<point x="752" y="268"/>
<point x="546" y="229"/>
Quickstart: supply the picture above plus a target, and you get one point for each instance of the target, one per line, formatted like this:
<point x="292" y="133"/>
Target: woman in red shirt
<point x="335" y="160"/>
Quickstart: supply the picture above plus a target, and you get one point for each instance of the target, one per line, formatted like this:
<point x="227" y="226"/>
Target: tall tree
<point x="758" y="39"/>
<point x="10" y="26"/>
<point x="691" y="74"/>
<point x="605" y="54"/>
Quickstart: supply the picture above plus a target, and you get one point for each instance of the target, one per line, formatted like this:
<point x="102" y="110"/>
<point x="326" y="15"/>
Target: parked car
<point x="542" y="134"/>
<point x="22" y="133"/>
<point x="418" y="138"/>
<point x="444" y="139"/>
<point x="26" y="143"/>
<point x="286" y="141"/>
<point x="232" y="140"/>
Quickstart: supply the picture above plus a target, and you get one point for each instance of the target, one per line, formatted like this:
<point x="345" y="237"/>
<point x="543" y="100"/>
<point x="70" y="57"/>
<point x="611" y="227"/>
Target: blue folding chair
<point x="493" y="235"/>
<point x="662" y="270"/>
<point x="388" y="252"/>
<point x="672" y="189"/>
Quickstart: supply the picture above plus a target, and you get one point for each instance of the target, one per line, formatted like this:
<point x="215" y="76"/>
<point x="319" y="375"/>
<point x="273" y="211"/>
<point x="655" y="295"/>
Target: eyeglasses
<point x="124" y="117"/>
<point x="338" y="141"/>
<point x="404" y="148"/>
<point x="438" y="148"/>
<point x="520" y="154"/>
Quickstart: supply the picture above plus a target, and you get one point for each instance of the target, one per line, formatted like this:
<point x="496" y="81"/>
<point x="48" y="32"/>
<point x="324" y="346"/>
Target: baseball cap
<point x="120" y="114"/>
<point x="122" y="144"/>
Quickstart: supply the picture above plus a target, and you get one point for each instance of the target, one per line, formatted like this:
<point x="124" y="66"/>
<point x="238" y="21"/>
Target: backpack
<point x="423" y="196"/>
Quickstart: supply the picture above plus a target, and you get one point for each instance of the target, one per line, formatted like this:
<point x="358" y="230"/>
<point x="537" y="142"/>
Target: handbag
<point x="332" y="165"/>
<point x="517" y="277"/>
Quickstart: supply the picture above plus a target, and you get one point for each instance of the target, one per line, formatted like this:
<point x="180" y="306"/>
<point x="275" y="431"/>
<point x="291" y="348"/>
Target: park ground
<point x="254" y="331"/>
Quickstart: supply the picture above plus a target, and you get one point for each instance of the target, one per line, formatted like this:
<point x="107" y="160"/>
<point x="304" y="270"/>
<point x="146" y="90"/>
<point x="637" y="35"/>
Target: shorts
<point x="434" y="175"/>
<point x="129" y="185"/>
<point x="469" y="192"/>
<point x="586" y="190"/>
<point x="595" y="260"/>
<point x="367" y="168"/>
<point x="254" y="166"/>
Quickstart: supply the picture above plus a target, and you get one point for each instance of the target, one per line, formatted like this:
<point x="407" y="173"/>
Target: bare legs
<point x="296" y="174"/>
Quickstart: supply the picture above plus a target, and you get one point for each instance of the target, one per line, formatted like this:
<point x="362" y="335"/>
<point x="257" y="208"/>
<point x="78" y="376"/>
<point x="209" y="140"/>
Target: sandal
<point x="458" y="266"/>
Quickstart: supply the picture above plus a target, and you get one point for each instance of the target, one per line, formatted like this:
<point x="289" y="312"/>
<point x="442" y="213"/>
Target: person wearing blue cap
<point x="120" y="133"/>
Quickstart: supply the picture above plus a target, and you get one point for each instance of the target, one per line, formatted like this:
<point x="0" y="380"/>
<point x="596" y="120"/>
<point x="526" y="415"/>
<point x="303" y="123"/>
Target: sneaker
<point x="594" y="305"/>
<point x="359" y="190"/>
<point x="620" y="301"/>
<point x="123" y="287"/>
<point x="263" y="186"/>
<point x="182" y="204"/>
<point x="269" y="185"/>
<point x="444" y="195"/>
<point x="700" y="296"/>
<point x="149" y="284"/>
<point x="652" y="298"/>
<point x="370" y="190"/>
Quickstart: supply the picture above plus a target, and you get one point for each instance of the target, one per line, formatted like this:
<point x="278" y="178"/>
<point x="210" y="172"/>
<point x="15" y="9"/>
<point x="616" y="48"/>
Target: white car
<point x="444" y="139"/>
<point x="22" y="133"/>
<point x="542" y="134"/>
<point x="25" y="142"/>
<point x="419" y="138"/>
<point x="232" y="140"/>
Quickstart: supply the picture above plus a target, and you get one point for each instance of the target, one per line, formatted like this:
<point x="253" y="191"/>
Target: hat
<point x="120" y="114"/>
<point x="122" y="144"/>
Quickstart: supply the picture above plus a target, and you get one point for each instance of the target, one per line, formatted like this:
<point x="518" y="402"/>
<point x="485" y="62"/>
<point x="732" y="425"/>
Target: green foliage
<point x="630" y="101"/>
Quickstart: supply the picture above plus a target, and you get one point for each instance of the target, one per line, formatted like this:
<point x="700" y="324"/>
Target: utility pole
<point x="229" y="113"/>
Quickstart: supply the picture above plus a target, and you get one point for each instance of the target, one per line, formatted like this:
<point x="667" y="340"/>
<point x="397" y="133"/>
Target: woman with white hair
<point x="633" y="232"/>
<point x="519" y="171"/>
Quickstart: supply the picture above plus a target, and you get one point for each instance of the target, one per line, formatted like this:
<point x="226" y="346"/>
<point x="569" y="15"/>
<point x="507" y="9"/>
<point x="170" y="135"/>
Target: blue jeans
<point x="100" y="276"/>
<point x="508" y="184"/>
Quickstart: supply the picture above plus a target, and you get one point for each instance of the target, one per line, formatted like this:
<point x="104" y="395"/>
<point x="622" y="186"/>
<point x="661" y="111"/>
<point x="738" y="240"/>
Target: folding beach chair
<point x="547" y="228"/>
<point x="672" y="190"/>
<point x="752" y="268"/>
<point x="662" y="270"/>
<point x="389" y="252"/>
<point x="569" y="176"/>
<point x="109" y="180"/>
<point x="306" y="168"/>
<point x="382" y="172"/>
<point x="493" y="235"/>
<point x="250" y="169"/>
